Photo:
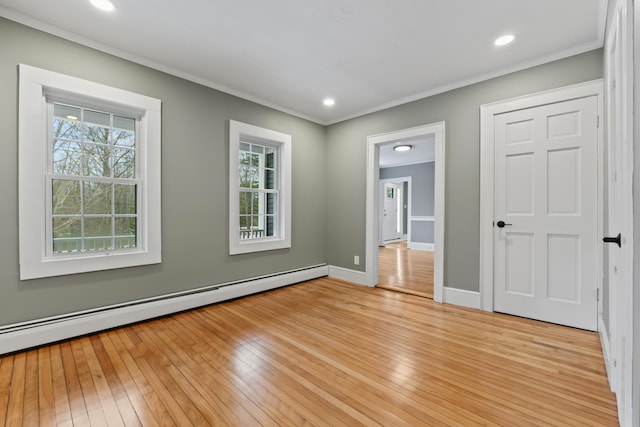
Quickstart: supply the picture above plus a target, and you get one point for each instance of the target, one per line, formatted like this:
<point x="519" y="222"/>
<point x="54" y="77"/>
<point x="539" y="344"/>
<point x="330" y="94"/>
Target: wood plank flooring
<point x="405" y="270"/>
<point x="323" y="353"/>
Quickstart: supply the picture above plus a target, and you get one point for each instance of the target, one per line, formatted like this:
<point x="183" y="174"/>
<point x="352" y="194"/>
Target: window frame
<point x="243" y="132"/>
<point x="38" y="88"/>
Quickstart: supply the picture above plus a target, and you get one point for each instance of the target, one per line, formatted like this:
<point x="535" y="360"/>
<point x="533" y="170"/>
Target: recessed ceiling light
<point x="329" y="102"/>
<point x="402" y="147"/>
<point x="105" y="5"/>
<point x="504" y="40"/>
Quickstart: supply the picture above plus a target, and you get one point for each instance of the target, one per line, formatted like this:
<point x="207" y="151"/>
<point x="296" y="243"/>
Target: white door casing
<point x="524" y="239"/>
<point x="545" y="181"/>
<point x="372" y="200"/>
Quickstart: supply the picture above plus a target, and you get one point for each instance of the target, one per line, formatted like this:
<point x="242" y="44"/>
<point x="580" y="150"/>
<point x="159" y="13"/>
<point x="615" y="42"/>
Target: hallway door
<point x="392" y="212"/>
<point x="546" y="219"/>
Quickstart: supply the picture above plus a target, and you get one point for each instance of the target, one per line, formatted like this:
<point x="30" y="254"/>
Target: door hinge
<point x="598" y="294"/>
<point x="597" y="121"/>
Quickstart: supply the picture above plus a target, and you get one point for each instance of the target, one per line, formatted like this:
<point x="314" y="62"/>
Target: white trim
<point x="347" y="274"/>
<point x="282" y="143"/>
<point x="487" y="113"/>
<point x="461" y="297"/>
<point x="421" y="246"/>
<point x="30" y="334"/>
<point x="423" y="218"/>
<point x="606" y="350"/>
<point x="34" y="85"/>
<point x="372" y="217"/>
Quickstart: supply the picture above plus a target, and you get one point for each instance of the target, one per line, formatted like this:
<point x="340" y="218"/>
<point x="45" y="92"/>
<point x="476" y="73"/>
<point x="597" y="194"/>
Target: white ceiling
<point x="290" y="54"/>
<point x="423" y="149"/>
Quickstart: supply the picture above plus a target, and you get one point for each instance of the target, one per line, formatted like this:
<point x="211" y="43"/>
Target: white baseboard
<point x="461" y="297"/>
<point x="347" y="274"/>
<point x="421" y="246"/>
<point x="606" y="351"/>
<point x="25" y="335"/>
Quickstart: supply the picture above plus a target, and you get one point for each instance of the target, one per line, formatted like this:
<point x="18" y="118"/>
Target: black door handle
<point x="501" y="224"/>
<point x="617" y="240"/>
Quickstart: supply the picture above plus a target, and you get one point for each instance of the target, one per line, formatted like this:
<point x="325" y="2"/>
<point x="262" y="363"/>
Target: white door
<point x="392" y="214"/>
<point x="546" y="213"/>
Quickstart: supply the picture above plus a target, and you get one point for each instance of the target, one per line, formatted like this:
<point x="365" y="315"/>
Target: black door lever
<point x="501" y="224"/>
<point x="617" y="240"/>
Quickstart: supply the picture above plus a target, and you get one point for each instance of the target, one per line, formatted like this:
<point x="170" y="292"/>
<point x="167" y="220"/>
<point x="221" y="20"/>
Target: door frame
<point x="372" y="200"/>
<point x="407" y="200"/>
<point x="487" y="114"/>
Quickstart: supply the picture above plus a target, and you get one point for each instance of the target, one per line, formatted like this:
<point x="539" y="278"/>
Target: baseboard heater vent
<point x="37" y="332"/>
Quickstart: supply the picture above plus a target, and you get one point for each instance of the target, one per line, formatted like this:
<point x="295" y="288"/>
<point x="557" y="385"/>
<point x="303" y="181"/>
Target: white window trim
<point x="34" y="87"/>
<point x="282" y="141"/>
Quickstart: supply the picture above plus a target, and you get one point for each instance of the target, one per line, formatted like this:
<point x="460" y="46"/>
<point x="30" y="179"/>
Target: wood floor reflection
<point x="320" y="353"/>
<point x="405" y="270"/>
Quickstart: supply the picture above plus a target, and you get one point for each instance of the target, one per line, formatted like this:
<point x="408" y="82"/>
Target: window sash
<point x="84" y="242"/>
<point x="261" y="224"/>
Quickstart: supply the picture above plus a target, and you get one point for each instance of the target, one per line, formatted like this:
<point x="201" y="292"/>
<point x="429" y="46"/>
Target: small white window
<point x="259" y="189"/>
<point x="89" y="177"/>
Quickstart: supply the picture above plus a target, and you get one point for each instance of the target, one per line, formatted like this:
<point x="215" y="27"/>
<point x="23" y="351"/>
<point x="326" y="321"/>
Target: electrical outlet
<point x="356" y="260"/>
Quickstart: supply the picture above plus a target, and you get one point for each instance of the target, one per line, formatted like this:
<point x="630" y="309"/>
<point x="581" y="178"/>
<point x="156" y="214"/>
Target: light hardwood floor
<point x="324" y="353"/>
<point x="405" y="270"/>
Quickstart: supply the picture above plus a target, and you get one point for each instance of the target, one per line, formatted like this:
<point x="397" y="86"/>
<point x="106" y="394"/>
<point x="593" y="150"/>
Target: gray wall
<point x="422" y="185"/>
<point x="194" y="184"/>
<point x="422" y="196"/>
<point x="459" y="109"/>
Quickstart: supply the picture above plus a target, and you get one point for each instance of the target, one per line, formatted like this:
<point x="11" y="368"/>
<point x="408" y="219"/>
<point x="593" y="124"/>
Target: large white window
<point x="89" y="179"/>
<point x="259" y="189"/>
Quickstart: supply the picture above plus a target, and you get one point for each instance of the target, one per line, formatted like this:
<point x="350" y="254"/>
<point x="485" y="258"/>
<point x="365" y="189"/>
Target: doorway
<point x="374" y="202"/>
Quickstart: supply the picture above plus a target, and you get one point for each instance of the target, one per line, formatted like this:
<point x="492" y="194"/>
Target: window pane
<point x="125" y="233"/>
<point x="255" y="177"/>
<point x="272" y="203"/>
<point x="124" y="199"/>
<point x="244" y="222"/>
<point x="257" y="148"/>
<point x="245" y="146"/>
<point x="245" y="202"/>
<point x="67" y="158"/>
<point x="245" y="176"/>
<point x="270" y="225"/>
<point x="66" y="197"/>
<point x="255" y="200"/>
<point x="98" y="160"/>
<point x="270" y="158"/>
<point x="255" y="160"/>
<point x="97" y="198"/>
<point x="124" y="131"/>
<point x="270" y="179"/>
<point x="66" y="122"/>
<point x="97" y="234"/>
<point x="124" y="163"/>
<point x="67" y="235"/>
<point x="96" y="127"/>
